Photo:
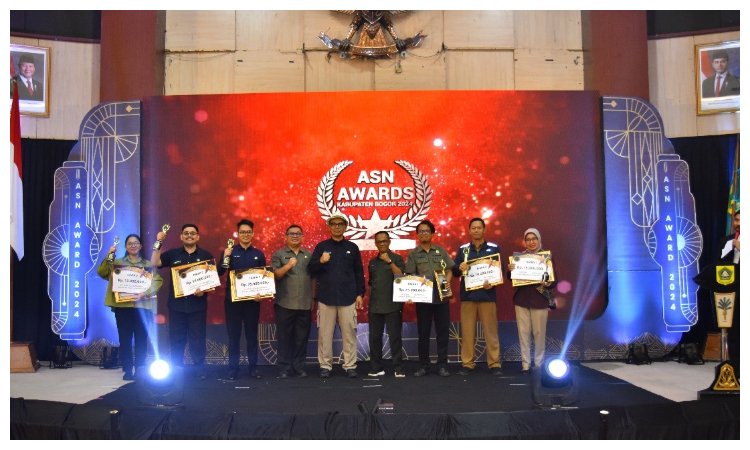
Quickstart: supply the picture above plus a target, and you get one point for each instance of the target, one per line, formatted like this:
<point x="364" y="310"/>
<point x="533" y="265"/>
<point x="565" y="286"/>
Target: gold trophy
<point x="444" y="287"/>
<point x="225" y="261"/>
<point x="111" y="256"/>
<point x="466" y="259"/>
<point x="164" y="229"/>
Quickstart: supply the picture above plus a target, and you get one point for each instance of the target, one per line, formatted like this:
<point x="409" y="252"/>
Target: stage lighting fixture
<point x="159" y="369"/>
<point x="554" y="384"/>
<point x="160" y="384"/>
<point x="556" y="373"/>
<point x="638" y="354"/>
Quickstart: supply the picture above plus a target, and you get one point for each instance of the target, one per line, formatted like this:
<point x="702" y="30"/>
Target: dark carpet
<point x="478" y="392"/>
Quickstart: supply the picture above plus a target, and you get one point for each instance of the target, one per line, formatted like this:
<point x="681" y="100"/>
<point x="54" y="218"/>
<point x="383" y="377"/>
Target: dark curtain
<point x="31" y="304"/>
<point x="710" y="159"/>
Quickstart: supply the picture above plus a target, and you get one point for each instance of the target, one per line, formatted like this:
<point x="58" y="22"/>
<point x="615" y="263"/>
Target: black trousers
<point x="133" y="325"/>
<point x="187" y="328"/>
<point x="441" y="314"/>
<point x="235" y="315"/>
<point x="392" y="322"/>
<point x="292" y="334"/>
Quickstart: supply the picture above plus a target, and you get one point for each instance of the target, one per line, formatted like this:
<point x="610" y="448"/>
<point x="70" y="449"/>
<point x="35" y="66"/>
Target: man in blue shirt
<point x="240" y="258"/>
<point x="479" y="302"/>
<point x="336" y="265"/>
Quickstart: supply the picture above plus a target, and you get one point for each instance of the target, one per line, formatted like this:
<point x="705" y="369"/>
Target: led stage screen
<point x="385" y="159"/>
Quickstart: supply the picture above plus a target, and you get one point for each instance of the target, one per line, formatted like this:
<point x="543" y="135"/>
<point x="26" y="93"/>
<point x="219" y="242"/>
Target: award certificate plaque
<point x="252" y="284"/>
<point x="486" y="268"/>
<point x="531" y="267"/>
<point x="411" y="288"/>
<point x="188" y="278"/>
<point x="128" y="282"/>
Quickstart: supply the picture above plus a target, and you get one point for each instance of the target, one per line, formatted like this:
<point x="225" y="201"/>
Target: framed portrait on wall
<point x="717" y="79"/>
<point x="31" y="66"/>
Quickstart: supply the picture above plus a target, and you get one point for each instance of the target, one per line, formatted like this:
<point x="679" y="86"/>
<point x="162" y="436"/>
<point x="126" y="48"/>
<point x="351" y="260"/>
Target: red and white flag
<point x="16" y="172"/>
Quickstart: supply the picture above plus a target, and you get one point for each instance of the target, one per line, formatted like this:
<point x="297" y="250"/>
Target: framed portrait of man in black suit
<point x="30" y="73"/>
<point x="717" y="68"/>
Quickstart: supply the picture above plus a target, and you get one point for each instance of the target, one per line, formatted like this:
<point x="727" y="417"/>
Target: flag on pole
<point x="16" y="172"/>
<point x="734" y="189"/>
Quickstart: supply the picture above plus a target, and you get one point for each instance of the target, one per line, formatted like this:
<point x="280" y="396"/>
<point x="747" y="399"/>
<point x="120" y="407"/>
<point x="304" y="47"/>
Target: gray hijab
<point x="536" y="233"/>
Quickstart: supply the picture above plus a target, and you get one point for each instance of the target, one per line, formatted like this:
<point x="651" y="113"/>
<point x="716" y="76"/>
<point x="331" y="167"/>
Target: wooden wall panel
<point x="269" y="71"/>
<point x="270" y="30"/>
<point x="199" y="73"/>
<point x="558" y="70"/>
<point x="200" y="31"/>
<point x="334" y="24"/>
<point x="73" y="89"/>
<point x="548" y="30"/>
<point x="672" y="87"/>
<point x="416" y="74"/>
<point x="479" y="69"/>
<point x="479" y="29"/>
<point x="671" y="91"/>
<point x="334" y="74"/>
<point x="429" y="23"/>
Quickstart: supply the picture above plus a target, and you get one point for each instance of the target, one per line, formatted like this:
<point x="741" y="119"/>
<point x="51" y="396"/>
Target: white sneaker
<point x="376" y="374"/>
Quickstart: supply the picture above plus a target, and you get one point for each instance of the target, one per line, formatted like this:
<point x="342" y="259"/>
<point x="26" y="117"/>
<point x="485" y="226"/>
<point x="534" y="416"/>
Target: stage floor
<point x="78" y="403"/>
<point x="601" y="384"/>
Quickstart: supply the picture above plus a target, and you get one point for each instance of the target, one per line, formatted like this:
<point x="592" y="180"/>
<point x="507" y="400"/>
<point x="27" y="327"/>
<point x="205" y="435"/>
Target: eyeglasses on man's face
<point x="294" y="234"/>
<point x="427" y="231"/>
<point x="190" y="233"/>
<point x="245" y="232"/>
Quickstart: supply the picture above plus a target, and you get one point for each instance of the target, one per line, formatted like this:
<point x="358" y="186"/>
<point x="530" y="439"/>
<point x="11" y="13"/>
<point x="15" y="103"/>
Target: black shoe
<point x="283" y="374"/>
<point x="128" y="376"/>
<point x="465" y="371"/>
<point x="497" y="371"/>
<point x="525" y="372"/>
<point x="421" y="372"/>
<point x="301" y="373"/>
<point x="254" y="374"/>
<point x="443" y="372"/>
<point x="351" y="373"/>
<point x="325" y="373"/>
<point x="231" y="375"/>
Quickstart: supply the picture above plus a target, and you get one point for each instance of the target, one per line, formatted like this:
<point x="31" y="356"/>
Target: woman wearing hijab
<point x="135" y="317"/>
<point x="532" y="304"/>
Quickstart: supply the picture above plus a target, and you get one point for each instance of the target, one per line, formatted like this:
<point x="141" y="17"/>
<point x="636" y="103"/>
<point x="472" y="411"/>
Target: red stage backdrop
<point x="517" y="159"/>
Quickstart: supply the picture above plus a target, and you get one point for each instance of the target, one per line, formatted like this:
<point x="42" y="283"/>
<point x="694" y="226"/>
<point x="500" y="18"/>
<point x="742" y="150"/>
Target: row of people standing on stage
<point x="333" y="275"/>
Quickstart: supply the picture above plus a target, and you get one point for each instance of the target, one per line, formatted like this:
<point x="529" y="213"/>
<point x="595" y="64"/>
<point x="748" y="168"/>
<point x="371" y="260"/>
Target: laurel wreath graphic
<point x="400" y="225"/>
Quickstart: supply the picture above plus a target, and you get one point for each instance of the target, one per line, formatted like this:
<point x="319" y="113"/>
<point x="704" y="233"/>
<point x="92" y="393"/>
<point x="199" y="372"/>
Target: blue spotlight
<point x="160" y="385"/>
<point x="159" y="369"/>
<point x="554" y="384"/>
<point x="556" y="372"/>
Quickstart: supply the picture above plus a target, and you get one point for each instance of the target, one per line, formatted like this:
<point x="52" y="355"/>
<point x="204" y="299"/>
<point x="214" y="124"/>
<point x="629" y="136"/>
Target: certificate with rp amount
<point x="486" y="268"/>
<point x="529" y="268"/>
<point x="188" y="278"/>
<point x="252" y="284"/>
<point x="128" y="282"/>
<point x="412" y="288"/>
